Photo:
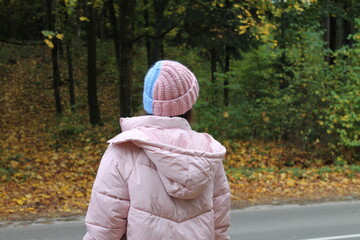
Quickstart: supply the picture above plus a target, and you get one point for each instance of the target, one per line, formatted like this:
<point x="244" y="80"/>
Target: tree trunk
<point x="213" y="64"/>
<point x="102" y="29"/>
<point x="158" y="47"/>
<point x="226" y="80"/>
<point x="115" y="31"/>
<point x="348" y="26"/>
<point x="348" y="29"/>
<point x="56" y="75"/>
<point x="71" y="77"/>
<point x="339" y="28"/>
<point x="327" y="36"/>
<point x="213" y="70"/>
<point x="50" y="25"/>
<point x="94" y="111"/>
<point x="332" y="37"/>
<point x="147" y="40"/>
<point x="282" y="45"/>
<point x="127" y="11"/>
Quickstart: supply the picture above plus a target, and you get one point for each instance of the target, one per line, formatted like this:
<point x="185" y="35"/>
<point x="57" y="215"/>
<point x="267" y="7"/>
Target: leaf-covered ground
<point x="257" y="174"/>
<point x="48" y="163"/>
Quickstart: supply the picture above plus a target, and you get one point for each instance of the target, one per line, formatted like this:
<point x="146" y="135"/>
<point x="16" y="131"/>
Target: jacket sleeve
<point x="107" y="213"/>
<point x="221" y="204"/>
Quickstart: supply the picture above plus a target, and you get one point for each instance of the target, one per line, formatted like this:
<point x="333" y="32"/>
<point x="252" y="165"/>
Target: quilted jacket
<point x="158" y="180"/>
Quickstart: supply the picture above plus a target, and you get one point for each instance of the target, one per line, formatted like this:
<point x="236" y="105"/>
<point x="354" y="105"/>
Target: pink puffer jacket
<point x="160" y="180"/>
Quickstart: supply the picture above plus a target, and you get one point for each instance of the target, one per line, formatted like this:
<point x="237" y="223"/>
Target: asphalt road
<point x="324" y="221"/>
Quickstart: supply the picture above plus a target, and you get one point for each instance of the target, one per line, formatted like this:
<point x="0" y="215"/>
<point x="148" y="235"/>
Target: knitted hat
<point x="170" y="89"/>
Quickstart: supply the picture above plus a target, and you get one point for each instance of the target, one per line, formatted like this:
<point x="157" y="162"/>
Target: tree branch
<point x="137" y="38"/>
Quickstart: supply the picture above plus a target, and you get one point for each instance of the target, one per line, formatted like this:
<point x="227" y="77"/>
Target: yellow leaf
<point x="282" y="176"/>
<point x="290" y="183"/>
<point x="81" y="162"/>
<point x="226" y="114"/>
<point x="59" y="36"/>
<point x="45" y="196"/>
<point x="298" y="8"/>
<point x="49" y="43"/>
<point x="345" y="118"/>
<point x="14" y="164"/>
<point x="20" y="201"/>
<point x="48" y="174"/>
<point x="84" y="19"/>
<point x="79" y="194"/>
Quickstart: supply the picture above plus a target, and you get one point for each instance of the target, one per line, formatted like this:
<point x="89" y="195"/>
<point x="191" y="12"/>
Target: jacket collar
<point x="154" y="122"/>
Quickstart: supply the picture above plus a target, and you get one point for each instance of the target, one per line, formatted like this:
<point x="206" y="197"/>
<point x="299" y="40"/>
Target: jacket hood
<point x="184" y="158"/>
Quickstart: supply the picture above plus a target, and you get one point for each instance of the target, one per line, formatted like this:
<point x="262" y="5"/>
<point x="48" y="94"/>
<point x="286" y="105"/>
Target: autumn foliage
<point x="261" y="172"/>
<point x="48" y="163"/>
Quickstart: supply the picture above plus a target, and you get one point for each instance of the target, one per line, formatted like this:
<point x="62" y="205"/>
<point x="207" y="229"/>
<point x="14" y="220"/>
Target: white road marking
<point x="336" y="237"/>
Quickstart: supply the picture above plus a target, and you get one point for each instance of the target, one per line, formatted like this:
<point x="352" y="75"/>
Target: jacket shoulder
<point x="121" y="155"/>
<point x="128" y="136"/>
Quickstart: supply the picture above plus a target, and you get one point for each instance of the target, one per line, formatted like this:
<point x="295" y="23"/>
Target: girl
<point x="159" y="179"/>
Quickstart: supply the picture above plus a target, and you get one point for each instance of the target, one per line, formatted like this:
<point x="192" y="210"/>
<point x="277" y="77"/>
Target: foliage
<point x="342" y="117"/>
<point x="256" y="173"/>
<point x="47" y="162"/>
<point x="290" y="92"/>
<point x="49" y="35"/>
<point x="293" y="102"/>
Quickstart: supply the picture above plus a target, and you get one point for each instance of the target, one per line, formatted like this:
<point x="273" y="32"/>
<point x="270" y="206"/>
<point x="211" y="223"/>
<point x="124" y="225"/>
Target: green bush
<point x="318" y="107"/>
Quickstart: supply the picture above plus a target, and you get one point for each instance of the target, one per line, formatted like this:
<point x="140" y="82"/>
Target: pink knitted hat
<point x="170" y="89"/>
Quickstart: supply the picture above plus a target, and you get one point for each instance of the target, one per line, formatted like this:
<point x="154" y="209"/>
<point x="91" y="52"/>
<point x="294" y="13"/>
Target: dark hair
<point x="187" y="115"/>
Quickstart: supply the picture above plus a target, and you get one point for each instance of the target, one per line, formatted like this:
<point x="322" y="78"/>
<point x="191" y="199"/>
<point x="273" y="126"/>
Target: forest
<point x="279" y="87"/>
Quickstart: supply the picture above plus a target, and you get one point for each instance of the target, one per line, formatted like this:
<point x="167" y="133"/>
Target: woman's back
<point x="158" y="180"/>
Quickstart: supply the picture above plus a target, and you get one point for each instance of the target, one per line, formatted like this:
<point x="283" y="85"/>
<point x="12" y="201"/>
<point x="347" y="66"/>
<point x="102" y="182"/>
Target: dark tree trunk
<point x="282" y="45"/>
<point x="115" y="31"/>
<point x="226" y="80"/>
<point x="71" y="76"/>
<point x="56" y="76"/>
<point x="147" y="40"/>
<point x="327" y="36"/>
<point x="94" y="111"/>
<point x="332" y="36"/>
<point x="46" y="7"/>
<point x="348" y="26"/>
<point x="213" y="57"/>
<point x="158" y="47"/>
<point x="127" y="11"/>
<point x="50" y="25"/>
<point x="102" y="29"/>
<point x="348" y="29"/>
<point x="213" y="69"/>
<point x="339" y="27"/>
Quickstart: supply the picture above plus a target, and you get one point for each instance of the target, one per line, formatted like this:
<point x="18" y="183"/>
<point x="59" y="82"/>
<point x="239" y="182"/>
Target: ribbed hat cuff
<point x="148" y="104"/>
<point x="178" y="106"/>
